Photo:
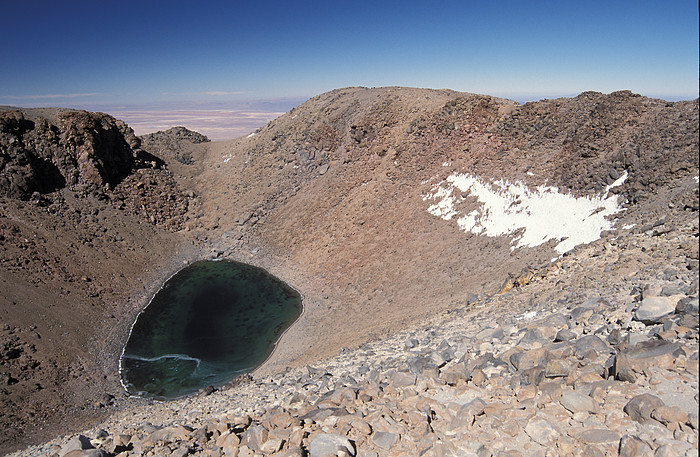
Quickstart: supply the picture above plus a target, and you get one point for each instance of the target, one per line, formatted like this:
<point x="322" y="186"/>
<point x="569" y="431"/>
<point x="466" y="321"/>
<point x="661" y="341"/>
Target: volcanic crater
<point x="332" y="197"/>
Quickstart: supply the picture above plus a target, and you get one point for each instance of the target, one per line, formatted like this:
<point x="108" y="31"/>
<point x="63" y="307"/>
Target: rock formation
<point x="73" y="149"/>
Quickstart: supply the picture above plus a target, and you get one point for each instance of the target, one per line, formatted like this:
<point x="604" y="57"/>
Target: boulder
<point x="254" y="437"/>
<point x="385" y="440"/>
<point x="578" y="402"/>
<point x="169" y="434"/>
<point x="330" y="445"/>
<point x="631" y="446"/>
<point x="688" y="305"/>
<point x="587" y="343"/>
<point x="228" y="442"/>
<point x="77" y="443"/>
<point x="581" y="314"/>
<point x="631" y="362"/>
<point x="402" y="379"/>
<point x="640" y="407"/>
<point x="556" y="369"/>
<point x="541" y="431"/>
<point x="652" y="309"/>
<point x="422" y="366"/>
<point x="598" y="436"/>
<point x="667" y="415"/>
<point x="564" y="335"/>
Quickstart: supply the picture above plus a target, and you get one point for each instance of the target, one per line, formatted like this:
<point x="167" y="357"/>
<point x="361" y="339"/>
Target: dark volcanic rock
<point x="173" y="143"/>
<point x="176" y="134"/>
<point x="640" y="407"/>
<point x="76" y="149"/>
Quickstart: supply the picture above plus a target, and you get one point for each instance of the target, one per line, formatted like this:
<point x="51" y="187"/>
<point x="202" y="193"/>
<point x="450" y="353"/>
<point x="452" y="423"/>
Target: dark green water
<point x="211" y="322"/>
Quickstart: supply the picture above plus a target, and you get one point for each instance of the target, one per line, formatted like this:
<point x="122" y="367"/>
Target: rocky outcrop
<point x="74" y="149"/>
<point x="173" y="143"/>
<point x="173" y="136"/>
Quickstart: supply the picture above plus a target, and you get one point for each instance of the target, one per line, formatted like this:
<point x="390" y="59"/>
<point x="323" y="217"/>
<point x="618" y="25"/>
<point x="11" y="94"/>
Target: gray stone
<point x="180" y="452"/>
<point x="631" y="362"/>
<point x="528" y="359"/>
<point x="672" y="289"/>
<point x="578" y="402"/>
<point x="599" y="436"/>
<point x="665" y="451"/>
<point x="614" y="337"/>
<point x="411" y="343"/>
<point x="385" y="440"/>
<point x="631" y="446"/>
<point x="591" y="342"/>
<point x="640" y="407"/>
<point x="401" y="379"/>
<point x="532" y="376"/>
<point x="533" y="336"/>
<point x="689" y="321"/>
<point x="254" y="437"/>
<point x="76" y="443"/>
<point x="541" y="431"/>
<point x="271" y="446"/>
<point x="592" y="451"/>
<point x="652" y="309"/>
<point x="581" y="314"/>
<point x="668" y="414"/>
<point x="556" y="369"/>
<point x="467" y="413"/>
<point x="688" y="305"/>
<point x="596" y="303"/>
<point x="329" y="445"/>
<point x="422" y="365"/>
<point x="565" y="335"/>
<point x="86" y="453"/>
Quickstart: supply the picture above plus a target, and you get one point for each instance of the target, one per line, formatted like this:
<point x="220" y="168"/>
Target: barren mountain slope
<point x="332" y="197"/>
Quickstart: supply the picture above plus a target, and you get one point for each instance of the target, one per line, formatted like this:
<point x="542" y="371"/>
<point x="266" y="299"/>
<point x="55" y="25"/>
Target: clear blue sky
<point x="91" y="53"/>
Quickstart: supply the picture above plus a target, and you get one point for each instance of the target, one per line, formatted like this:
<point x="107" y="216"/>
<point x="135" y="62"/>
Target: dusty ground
<point x="328" y="197"/>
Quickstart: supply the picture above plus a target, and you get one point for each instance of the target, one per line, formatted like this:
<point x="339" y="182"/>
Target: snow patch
<point x="529" y="217"/>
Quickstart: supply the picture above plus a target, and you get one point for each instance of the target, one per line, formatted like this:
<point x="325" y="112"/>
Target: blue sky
<point x="215" y="53"/>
